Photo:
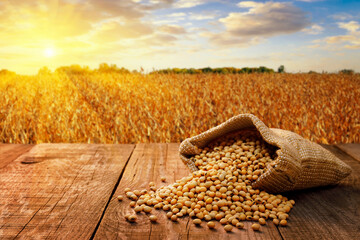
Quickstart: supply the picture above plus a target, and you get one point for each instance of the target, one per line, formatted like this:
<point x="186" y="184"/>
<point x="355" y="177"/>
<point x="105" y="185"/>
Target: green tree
<point x="347" y="71"/>
<point x="73" y="69"/>
<point x="6" y="72"/>
<point x="206" y="70"/>
<point x="281" y="69"/>
<point x="44" y="71"/>
<point x="104" y="67"/>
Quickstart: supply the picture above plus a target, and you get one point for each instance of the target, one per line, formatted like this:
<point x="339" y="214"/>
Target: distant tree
<point x="44" y="71"/>
<point x="73" y="69"/>
<point x="312" y="72"/>
<point x="112" y="68"/>
<point x="347" y="71"/>
<point x="262" y="69"/>
<point x="219" y="70"/>
<point x="103" y="67"/>
<point x="177" y="70"/>
<point x="246" y="70"/>
<point x="123" y="70"/>
<point x="192" y="71"/>
<point x="206" y="70"/>
<point x="281" y="69"/>
<point x="6" y="72"/>
<point x="223" y="70"/>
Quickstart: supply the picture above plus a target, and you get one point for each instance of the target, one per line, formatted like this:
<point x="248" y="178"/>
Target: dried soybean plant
<point x="133" y="108"/>
<point x="221" y="190"/>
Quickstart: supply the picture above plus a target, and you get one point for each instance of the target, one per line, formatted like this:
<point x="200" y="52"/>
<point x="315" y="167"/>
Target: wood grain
<point x="353" y="149"/>
<point x="328" y="212"/>
<point x="59" y="190"/>
<point x="148" y="163"/>
<point x="268" y="231"/>
<point x="69" y="191"/>
<point x="9" y="152"/>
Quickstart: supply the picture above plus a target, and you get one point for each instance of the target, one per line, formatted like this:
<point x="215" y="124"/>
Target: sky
<point x="302" y="35"/>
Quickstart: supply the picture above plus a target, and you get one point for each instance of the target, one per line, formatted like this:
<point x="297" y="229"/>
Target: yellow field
<point x="133" y="108"/>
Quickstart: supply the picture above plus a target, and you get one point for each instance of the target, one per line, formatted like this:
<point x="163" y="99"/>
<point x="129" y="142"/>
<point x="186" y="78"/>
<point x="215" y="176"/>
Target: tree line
<point x="113" y="68"/>
<point x="223" y="70"/>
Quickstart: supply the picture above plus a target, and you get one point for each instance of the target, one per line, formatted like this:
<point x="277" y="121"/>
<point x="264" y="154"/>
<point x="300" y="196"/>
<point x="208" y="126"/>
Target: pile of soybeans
<point x="221" y="190"/>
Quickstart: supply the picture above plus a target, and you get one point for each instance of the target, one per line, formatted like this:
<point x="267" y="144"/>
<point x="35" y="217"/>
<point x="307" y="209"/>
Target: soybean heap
<point x="221" y="190"/>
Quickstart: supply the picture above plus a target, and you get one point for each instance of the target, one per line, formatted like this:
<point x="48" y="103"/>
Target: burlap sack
<point x="302" y="164"/>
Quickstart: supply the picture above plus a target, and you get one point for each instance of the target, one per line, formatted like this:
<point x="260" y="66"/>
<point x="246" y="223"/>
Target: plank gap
<point x="111" y="195"/>
<point x="277" y="228"/>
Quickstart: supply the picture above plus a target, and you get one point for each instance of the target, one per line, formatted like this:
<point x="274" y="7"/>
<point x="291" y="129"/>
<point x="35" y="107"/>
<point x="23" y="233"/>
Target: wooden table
<point x="68" y="191"/>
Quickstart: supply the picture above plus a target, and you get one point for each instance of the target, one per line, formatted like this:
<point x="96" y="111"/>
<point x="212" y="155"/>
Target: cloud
<point x="32" y="21"/>
<point x="87" y="31"/>
<point x="309" y="1"/>
<point x="153" y="4"/>
<point x="265" y="19"/>
<point x="342" y="16"/>
<point x="63" y="19"/>
<point x="159" y="39"/>
<point x="340" y="39"/>
<point x="314" y="29"/>
<point x="172" y="29"/>
<point x="155" y="52"/>
<point x="351" y="40"/>
<point x="351" y="26"/>
<point x="188" y="3"/>
<point x="177" y="14"/>
<point x="261" y="20"/>
<point x="36" y="23"/>
<point x="115" y="31"/>
<point x="169" y="18"/>
<point x="106" y="8"/>
<point x="227" y="40"/>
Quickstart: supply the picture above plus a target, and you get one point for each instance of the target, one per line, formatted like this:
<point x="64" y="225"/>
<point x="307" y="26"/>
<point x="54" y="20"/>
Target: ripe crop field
<point x="133" y="108"/>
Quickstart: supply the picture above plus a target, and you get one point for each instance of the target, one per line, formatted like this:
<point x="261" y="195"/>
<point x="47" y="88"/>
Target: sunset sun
<point x="49" y="52"/>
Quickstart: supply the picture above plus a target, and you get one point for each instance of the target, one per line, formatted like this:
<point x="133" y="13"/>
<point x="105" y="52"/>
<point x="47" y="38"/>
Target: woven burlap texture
<point x="301" y="163"/>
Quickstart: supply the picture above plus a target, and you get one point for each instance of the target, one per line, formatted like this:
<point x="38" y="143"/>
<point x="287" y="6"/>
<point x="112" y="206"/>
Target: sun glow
<point x="49" y="52"/>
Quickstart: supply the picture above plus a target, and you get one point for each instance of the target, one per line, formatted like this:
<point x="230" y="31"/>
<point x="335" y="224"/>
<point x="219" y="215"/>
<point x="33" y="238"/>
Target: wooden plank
<point x="327" y="212"/>
<point x="173" y="169"/>
<point x="268" y="231"/>
<point x="59" y="190"/>
<point x="353" y="149"/>
<point x="9" y="152"/>
<point x="148" y="163"/>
